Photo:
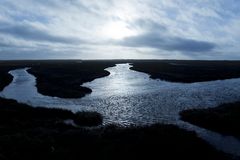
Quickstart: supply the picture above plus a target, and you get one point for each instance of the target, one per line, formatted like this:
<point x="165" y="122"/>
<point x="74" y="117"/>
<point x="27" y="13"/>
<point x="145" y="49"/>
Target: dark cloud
<point x="157" y="36"/>
<point x="148" y="25"/>
<point x="28" y="32"/>
<point x="190" y="45"/>
<point x="4" y="45"/>
<point x="8" y="54"/>
<point x="39" y="52"/>
<point x="155" y="40"/>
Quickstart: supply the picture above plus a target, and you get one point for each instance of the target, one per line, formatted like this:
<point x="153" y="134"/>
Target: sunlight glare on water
<point x="128" y="97"/>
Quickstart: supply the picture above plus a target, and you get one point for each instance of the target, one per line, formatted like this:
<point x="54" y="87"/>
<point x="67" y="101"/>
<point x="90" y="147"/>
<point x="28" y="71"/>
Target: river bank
<point x="223" y="119"/>
<point x="33" y="133"/>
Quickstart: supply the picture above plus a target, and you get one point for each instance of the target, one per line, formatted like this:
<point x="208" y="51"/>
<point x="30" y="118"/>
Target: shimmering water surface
<point x="129" y="97"/>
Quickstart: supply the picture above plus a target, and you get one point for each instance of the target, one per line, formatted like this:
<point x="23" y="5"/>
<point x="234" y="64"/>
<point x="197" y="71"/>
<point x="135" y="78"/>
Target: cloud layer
<point x="172" y="29"/>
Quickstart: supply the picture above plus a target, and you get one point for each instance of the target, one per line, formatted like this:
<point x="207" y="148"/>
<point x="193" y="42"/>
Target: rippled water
<point x="129" y="97"/>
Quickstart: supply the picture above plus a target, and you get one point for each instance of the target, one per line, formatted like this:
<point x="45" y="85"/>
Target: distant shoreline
<point x="63" y="78"/>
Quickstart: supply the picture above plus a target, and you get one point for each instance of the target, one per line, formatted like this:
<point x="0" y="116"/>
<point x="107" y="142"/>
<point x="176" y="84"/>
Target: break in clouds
<point x="168" y="29"/>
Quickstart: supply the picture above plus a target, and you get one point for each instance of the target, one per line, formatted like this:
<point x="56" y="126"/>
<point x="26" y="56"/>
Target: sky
<point x="120" y="29"/>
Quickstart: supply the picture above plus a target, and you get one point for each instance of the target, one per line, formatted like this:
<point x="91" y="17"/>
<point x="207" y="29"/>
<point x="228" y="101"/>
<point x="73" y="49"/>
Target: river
<point x="128" y="97"/>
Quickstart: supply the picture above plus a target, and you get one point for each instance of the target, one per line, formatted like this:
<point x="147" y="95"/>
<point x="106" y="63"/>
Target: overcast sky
<point x="100" y="29"/>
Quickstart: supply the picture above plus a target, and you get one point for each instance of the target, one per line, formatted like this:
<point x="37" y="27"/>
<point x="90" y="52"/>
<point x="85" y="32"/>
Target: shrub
<point x="88" y="118"/>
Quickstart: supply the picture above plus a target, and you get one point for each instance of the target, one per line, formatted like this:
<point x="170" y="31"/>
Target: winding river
<point x="128" y="97"/>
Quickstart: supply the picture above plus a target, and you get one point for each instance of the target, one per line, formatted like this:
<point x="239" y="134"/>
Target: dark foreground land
<point x="223" y="119"/>
<point x="39" y="133"/>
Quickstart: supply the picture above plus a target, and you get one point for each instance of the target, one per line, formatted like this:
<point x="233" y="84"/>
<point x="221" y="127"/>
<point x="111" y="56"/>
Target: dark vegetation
<point x="6" y="66"/>
<point x="5" y="78"/>
<point x="89" y="118"/>
<point x="21" y="116"/>
<point x="224" y="119"/>
<point x="39" y="133"/>
<point x="62" y="78"/>
<point x="188" y="71"/>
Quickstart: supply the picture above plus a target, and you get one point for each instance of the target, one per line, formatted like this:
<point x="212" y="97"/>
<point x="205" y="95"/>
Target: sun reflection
<point x="117" y="30"/>
<point x="120" y="79"/>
